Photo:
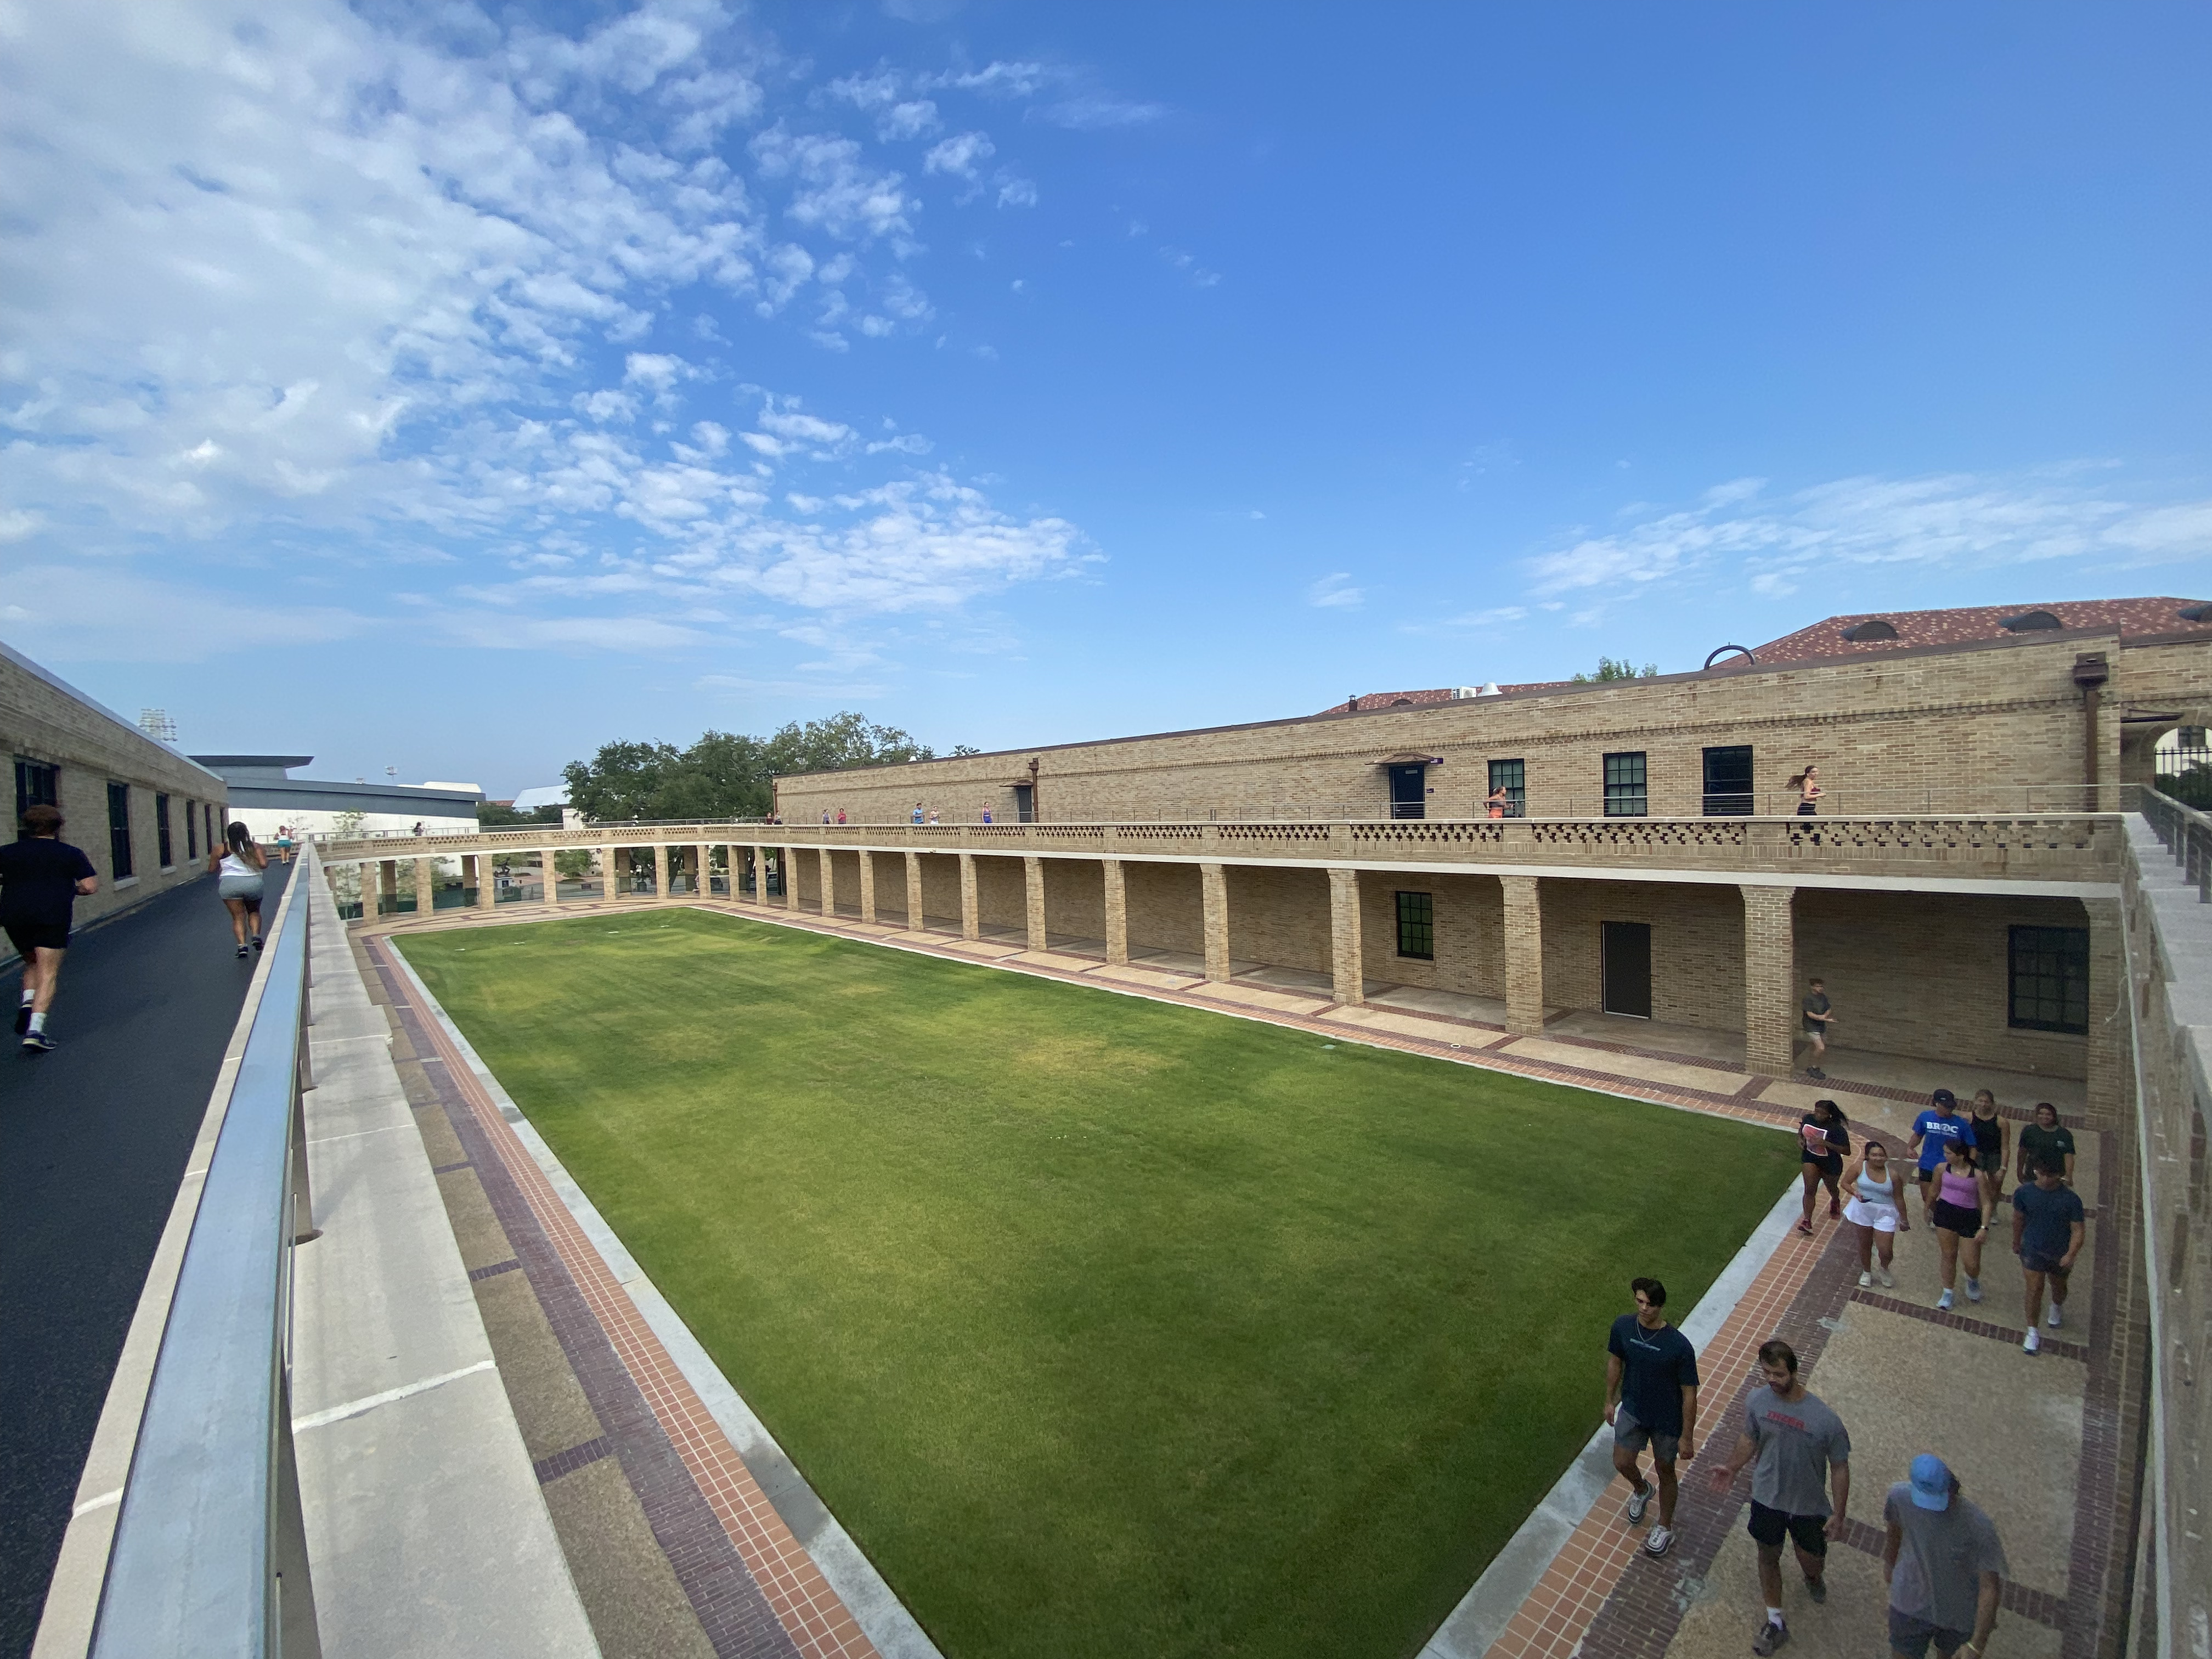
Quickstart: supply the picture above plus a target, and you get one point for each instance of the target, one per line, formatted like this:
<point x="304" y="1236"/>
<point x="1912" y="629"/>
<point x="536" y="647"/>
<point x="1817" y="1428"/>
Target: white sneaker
<point x="1888" y="1283"/>
<point x="2055" y="1320"/>
<point x="1865" y="1280"/>
<point x="1659" y="1541"/>
<point x="1943" y="1303"/>
<point x="2033" y="1342"/>
<point x="1640" y="1501"/>
<point x="1973" y="1290"/>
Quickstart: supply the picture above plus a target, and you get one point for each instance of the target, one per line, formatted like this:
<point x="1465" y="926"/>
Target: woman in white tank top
<point x="237" y="866"/>
<point x="1877" y="1209"/>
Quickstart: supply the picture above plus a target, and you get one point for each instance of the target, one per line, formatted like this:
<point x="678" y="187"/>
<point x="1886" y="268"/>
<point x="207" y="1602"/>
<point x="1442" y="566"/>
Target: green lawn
<point x="1107" y="1327"/>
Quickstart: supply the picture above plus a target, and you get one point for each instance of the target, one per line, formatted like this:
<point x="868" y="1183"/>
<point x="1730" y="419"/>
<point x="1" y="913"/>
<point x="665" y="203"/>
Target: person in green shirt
<point x="2046" y="1137"/>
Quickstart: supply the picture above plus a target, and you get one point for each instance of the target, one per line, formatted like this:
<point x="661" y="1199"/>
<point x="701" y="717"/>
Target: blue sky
<point x="456" y="389"/>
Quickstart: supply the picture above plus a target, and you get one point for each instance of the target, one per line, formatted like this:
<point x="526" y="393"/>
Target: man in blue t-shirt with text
<point x="41" y="877"/>
<point x="1932" y="1131"/>
<point x="1651" y="1399"/>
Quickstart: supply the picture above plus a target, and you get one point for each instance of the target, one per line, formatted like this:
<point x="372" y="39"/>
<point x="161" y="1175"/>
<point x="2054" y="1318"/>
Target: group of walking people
<point x="1958" y="1161"/>
<point x="1940" y="1555"/>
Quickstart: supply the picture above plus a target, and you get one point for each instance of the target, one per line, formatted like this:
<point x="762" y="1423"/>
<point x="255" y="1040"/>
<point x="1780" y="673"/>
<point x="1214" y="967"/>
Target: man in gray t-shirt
<point x="1801" y="1447"/>
<point x="1945" y="1565"/>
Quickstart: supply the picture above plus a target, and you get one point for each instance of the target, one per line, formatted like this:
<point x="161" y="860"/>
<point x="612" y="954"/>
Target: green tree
<point x="727" y="775"/>
<point x="1607" y="669"/>
<point x="490" y="815"/>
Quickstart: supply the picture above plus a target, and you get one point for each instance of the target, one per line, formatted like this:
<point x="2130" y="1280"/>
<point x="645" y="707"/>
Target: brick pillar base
<point x="1346" y="957"/>
<point x="1524" y="955"/>
<point x="609" y="879"/>
<point x="913" y="892"/>
<point x="1215" y="884"/>
<point x="828" y="885"/>
<point x="787" y="861"/>
<point x="1117" y="912"/>
<point x="1033" y="897"/>
<point x="867" y="886"/>
<point x="971" y="919"/>
<point x="1770" y="1011"/>
<point x="487" y="883"/>
<point x="426" y="894"/>
<point x="703" y="884"/>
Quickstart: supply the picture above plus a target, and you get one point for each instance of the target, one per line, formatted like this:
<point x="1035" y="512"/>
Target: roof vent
<point x="2030" y="621"/>
<point x="1874" y="628"/>
<point x="2194" y="613"/>
<point x="1489" y="689"/>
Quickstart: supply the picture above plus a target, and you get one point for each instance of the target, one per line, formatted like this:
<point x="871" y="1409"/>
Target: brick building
<point x="142" y="813"/>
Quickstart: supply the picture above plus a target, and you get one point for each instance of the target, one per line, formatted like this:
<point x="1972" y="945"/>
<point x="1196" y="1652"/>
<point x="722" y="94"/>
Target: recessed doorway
<point x="1625" y="947"/>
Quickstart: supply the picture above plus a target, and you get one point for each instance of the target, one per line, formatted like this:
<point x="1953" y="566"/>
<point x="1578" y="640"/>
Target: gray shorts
<point x="234" y="885"/>
<point x="1627" y="1432"/>
<point x="1911" y="1636"/>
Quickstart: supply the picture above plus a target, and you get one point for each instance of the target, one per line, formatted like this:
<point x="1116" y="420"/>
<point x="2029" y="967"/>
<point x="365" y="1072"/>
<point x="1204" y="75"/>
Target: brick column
<point x="388" y="881"/>
<point x="1347" y="963"/>
<point x="971" y="920"/>
<point x="867" y="886"/>
<point x="787" y="860"/>
<point x="756" y="856"/>
<point x="829" y="883"/>
<point x="426" y="898"/>
<point x="660" y="869"/>
<point x="1524" y="955"/>
<point x="487" y="882"/>
<point x="1214" y="885"/>
<point x="608" y="884"/>
<point x="1771" y="1012"/>
<point x="1033" y="894"/>
<point x="550" y="874"/>
<point x="913" y="892"/>
<point x="1117" y="912"/>
<point x="2109" y="1056"/>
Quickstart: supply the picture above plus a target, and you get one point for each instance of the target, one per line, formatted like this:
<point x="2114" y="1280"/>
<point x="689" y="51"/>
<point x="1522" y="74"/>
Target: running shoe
<point x="1816" y="1074"/>
<point x="1888" y="1283"/>
<point x="1771" y="1635"/>
<point x="242" y="953"/>
<point x="1943" y="1303"/>
<point x="1835" y="1208"/>
<point x="1866" y="1281"/>
<point x="1659" y="1541"/>
<point x="22" y="1019"/>
<point x="1640" y="1502"/>
<point x="257" y="944"/>
<point x="1806" y="1228"/>
<point x="2056" y="1319"/>
<point x="2033" y="1342"/>
<point x="1817" y="1590"/>
<point x="39" y="1042"/>
<point x="1973" y="1290"/>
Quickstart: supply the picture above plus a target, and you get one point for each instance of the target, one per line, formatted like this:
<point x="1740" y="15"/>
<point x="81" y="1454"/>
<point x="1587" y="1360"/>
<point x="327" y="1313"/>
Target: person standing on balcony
<point x="1815" y="1009"/>
<point x="2046" y="1138"/>
<point x="1962" y="1214"/>
<point x="2048" y="1228"/>
<point x="237" y="867"/>
<point x="1826" y="1142"/>
<point x="1650" y="1400"/>
<point x="917" y="811"/>
<point x="41" y="877"/>
<point x="1806" y="783"/>
<point x="1932" y="1131"/>
<point x="1877" y="1210"/>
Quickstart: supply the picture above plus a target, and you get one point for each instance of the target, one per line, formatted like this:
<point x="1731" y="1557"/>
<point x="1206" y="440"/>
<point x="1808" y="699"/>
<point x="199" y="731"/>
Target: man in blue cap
<point x="1944" y="1566"/>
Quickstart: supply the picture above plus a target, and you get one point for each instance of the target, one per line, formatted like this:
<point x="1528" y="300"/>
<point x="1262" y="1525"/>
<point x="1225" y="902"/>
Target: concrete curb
<point x="875" y="1606"/>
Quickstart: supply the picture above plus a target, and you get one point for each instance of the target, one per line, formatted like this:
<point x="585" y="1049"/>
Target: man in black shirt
<point x="40" y="876"/>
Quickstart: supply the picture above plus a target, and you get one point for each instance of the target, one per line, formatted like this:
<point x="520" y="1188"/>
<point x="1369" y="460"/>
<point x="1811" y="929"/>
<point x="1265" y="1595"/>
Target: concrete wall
<point x="43" y="719"/>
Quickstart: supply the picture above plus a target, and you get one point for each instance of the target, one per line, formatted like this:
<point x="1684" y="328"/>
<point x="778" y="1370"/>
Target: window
<point x="118" y="831"/>
<point x="1624" y="796"/>
<point x="2051" y="979"/>
<point x="1728" y="782"/>
<point x="1416" y="926"/>
<point x="161" y="829"/>
<point x="1511" y="776"/>
<point x="191" y="833"/>
<point x="207" y="819"/>
<point x="37" y="784"/>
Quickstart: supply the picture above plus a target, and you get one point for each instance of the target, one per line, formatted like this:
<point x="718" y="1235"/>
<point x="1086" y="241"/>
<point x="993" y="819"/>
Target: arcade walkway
<point x="93" y="1142"/>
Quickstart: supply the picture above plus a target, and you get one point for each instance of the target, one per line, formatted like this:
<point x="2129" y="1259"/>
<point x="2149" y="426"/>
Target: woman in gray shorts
<point x="238" y="865"/>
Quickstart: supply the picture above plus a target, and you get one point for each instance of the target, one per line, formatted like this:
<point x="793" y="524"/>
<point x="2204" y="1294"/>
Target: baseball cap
<point x="1931" y="1482"/>
<point x="1944" y="1098"/>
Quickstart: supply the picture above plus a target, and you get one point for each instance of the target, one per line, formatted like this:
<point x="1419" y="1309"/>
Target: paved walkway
<point x="2039" y="1441"/>
<point x="93" y="1141"/>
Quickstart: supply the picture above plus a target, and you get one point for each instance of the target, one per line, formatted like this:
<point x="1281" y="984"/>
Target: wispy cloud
<point x="1336" y="591"/>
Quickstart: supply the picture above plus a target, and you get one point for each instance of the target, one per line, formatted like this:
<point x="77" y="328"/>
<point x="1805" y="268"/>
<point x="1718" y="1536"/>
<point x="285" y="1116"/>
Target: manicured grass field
<point x="1107" y="1327"/>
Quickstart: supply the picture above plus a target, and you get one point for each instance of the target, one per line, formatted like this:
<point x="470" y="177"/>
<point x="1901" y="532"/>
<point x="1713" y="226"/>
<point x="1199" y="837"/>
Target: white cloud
<point x="1016" y="191"/>
<point x="68" y="613"/>
<point x="958" y="154"/>
<point x="1093" y="112"/>
<point x="1335" y="591"/>
<point x="901" y="121"/>
<point x="835" y="190"/>
<point x="1188" y="265"/>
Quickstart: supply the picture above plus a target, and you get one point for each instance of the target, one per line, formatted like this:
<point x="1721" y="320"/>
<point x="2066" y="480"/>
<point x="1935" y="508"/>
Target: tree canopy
<point x="1607" y="669"/>
<point x="726" y="774"/>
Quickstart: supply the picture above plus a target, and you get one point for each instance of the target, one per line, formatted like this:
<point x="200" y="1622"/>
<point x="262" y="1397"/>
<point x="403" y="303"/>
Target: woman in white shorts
<point x="238" y="865"/>
<point x="1877" y="1209"/>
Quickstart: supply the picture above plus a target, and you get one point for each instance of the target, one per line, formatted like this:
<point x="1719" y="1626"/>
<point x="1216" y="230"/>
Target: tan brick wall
<point x="1000" y="893"/>
<point x="1166" y="909"/>
<point x="1470" y="932"/>
<point x="1697" y="947"/>
<point x="940" y="887"/>
<point x="1994" y="728"/>
<point x="39" y="721"/>
<point x="1074" y="898"/>
<point x="1279" y="916"/>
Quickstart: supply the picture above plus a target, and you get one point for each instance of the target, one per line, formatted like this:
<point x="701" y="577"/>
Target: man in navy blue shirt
<point x="2048" y="1227"/>
<point x="1651" y="1399"/>
<point x="40" y="876"/>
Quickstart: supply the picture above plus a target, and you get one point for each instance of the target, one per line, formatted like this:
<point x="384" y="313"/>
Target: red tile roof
<point x="1370" y="701"/>
<point x="1970" y="623"/>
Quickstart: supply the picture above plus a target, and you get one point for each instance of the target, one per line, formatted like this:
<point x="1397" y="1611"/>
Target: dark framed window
<point x="1728" y="781"/>
<point x="207" y="819"/>
<point x="1626" y="792"/>
<point x="1417" y="925"/>
<point x="37" y="784"/>
<point x="191" y="833"/>
<point x="2050" y="976"/>
<point x="118" y="831"/>
<point x="161" y="829"/>
<point x="1511" y="776"/>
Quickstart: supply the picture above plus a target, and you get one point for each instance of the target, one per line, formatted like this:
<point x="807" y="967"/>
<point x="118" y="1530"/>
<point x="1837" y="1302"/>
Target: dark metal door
<point x="1728" y="781"/>
<point x="1627" y="968"/>
<point x="1024" y="803"/>
<point x="1409" y="792"/>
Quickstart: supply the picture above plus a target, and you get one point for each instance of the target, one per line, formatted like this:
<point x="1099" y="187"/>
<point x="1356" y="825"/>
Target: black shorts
<point x="1769" y="1526"/>
<point x="27" y="936"/>
<point x="1957" y="1219"/>
<point x="1831" y="1166"/>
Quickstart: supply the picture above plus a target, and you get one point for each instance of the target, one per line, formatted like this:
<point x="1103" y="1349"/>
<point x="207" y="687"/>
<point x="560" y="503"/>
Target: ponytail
<point x="239" y="837"/>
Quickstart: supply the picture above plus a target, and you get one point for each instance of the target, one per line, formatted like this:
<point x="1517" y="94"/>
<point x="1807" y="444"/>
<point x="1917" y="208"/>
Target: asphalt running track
<point x="93" y="1142"/>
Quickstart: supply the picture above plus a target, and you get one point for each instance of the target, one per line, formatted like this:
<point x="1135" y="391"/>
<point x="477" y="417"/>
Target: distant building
<point x="263" y="795"/>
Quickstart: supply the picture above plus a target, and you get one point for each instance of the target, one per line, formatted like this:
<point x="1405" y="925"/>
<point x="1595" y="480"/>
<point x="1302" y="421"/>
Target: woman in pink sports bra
<point x="1961" y="1215"/>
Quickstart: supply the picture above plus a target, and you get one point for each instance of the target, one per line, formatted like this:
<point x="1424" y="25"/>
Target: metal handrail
<point x="2185" y="832"/>
<point x="209" y="1553"/>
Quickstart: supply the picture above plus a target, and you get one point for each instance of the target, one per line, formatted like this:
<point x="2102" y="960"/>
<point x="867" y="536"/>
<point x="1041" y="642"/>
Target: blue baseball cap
<point x="1931" y="1482"/>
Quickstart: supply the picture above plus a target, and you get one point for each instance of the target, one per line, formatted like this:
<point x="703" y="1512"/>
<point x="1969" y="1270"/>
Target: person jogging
<point x="1815" y="1011"/>
<point x="1806" y="783"/>
<point x="41" y="877"/>
<point x="1801" y="1447"/>
<point x="1943" y="1564"/>
<point x="1827" y="1143"/>
<point x="283" y="843"/>
<point x="1932" y="1131"/>
<point x="238" y="866"/>
<point x="1877" y="1210"/>
<point x="2048" y="1227"/>
<point x="2046" y="1138"/>
<point x="1961" y="1212"/>
<point x="1650" y="1400"/>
